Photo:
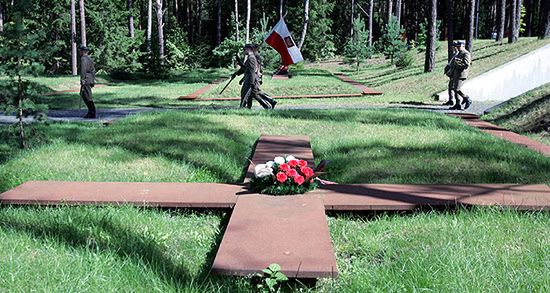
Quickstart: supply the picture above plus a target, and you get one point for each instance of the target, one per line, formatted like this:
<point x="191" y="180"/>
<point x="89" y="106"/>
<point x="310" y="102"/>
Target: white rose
<point x="264" y="172"/>
<point x="288" y="158"/>
<point x="270" y="164"/>
<point x="259" y="167"/>
<point x="279" y="160"/>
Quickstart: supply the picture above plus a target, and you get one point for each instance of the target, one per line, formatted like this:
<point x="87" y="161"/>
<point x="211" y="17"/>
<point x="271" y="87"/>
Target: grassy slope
<point x="528" y="113"/>
<point x="119" y="249"/>
<point x="303" y="82"/>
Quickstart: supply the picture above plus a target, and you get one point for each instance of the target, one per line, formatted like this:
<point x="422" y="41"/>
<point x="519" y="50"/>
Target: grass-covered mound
<point x="132" y="249"/>
<point x="527" y="113"/>
<point x="373" y="146"/>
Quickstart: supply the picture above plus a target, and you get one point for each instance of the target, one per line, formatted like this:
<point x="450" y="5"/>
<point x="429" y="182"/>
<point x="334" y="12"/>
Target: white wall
<point x="511" y="79"/>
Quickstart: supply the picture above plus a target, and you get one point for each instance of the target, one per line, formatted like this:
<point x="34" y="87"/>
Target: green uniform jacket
<point x="460" y="64"/>
<point x="87" y="70"/>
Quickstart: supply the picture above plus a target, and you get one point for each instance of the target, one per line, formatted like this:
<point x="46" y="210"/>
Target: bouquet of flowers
<point x="283" y="176"/>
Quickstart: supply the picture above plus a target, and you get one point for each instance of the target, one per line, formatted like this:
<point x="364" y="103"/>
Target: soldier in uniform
<point x="457" y="71"/>
<point x="252" y="79"/>
<point x="87" y="81"/>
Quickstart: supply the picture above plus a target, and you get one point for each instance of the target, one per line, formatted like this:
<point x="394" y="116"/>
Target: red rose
<point x="302" y="163"/>
<point x="284" y="167"/>
<point x="291" y="173"/>
<point x="293" y="163"/>
<point x="281" y="177"/>
<point x="299" y="179"/>
<point x="307" y="171"/>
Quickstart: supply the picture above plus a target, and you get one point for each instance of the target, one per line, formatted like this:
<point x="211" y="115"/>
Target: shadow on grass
<point x="532" y="121"/>
<point x="399" y="117"/>
<point x="100" y="232"/>
<point x="457" y="163"/>
<point x="197" y="140"/>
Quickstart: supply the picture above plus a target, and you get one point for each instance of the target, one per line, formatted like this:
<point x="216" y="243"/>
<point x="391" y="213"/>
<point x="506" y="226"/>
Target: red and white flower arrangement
<point x="283" y="176"/>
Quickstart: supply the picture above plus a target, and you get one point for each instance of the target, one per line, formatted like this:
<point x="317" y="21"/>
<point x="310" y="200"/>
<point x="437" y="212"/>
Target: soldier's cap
<point x="84" y="48"/>
<point x="251" y="46"/>
<point x="459" y="43"/>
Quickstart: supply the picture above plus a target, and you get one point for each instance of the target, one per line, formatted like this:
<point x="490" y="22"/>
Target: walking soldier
<point x="457" y="71"/>
<point x="252" y="79"/>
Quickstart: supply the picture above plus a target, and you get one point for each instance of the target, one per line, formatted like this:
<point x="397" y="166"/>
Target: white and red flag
<point x="279" y="38"/>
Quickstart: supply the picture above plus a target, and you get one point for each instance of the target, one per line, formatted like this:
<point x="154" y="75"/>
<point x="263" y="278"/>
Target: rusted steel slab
<point x="196" y="94"/>
<point x="291" y="231"/>
<point x="317" y="96"/>
<point x="185" y="195"/>
<point x="408" y="197"/>
<point x="495" y="130"/>
<point x="364" y="89"/>
<point x="269" y="147"/>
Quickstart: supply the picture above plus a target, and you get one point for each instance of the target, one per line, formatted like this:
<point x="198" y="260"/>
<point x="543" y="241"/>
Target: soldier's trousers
<point x="455" y="86"/>
<point x="255" y="93"/>
<point x="86" y="94"/>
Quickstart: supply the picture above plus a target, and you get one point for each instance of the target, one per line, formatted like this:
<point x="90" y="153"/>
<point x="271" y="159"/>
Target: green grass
<point x="412" y="84"/>
<point x="303" y="82"/>
<point x="113" y="93"/>
<point x="374" y="146"/>
<point x="528" y="114"/>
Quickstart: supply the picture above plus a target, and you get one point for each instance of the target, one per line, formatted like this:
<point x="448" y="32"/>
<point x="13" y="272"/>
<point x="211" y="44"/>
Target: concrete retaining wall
<point x="511" y="79"/>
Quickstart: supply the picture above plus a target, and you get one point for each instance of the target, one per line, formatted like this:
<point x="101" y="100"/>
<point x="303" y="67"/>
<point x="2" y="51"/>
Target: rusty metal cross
<point x="289" y="230"/>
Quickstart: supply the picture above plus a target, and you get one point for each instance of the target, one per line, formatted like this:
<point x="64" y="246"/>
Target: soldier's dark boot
<point x="456" y="107"/>
<point x="91" y="110"/>
<point x="448" y="103"/>
<point x="270" y="100"/>
<point x="467" y="102"/>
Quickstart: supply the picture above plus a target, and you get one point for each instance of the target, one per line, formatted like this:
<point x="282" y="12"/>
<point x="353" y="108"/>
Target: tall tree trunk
<point x="352" y="15"/>
<point x="501" y="19"/>
<point x="431" y="38"/>
<point x="519" y="4"/>
<point x="149" y="25"/>
<point x="82" y="23"/>
<point x="199" y="17"/>
<point x="390" y="10"/>
<point x="218" y="22"/>
<point x="477" y="19"/>
<point x="248" y="8"/>
<point x="160" y="27"/>
<point x="1" y="17"/>
<point x="471" y="19"/>
<point x="304" y="26"/>
<point x="528" y="17"/>
<point x="398" y="10"/>
<point x="73" y="38"/>
<point x="131" y="18"/>
<point x="545" y="20"/>
<point x="371" y="15"/>
<point x="450" y="28"/>
<point x="237" y="20"/>
<point x="511" y="31"/>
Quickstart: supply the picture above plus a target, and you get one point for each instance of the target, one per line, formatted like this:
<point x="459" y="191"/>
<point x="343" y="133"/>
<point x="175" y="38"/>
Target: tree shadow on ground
<point x="537" y="121"/>
<point x="99" y="231"/>
<point x="398" y="117"/>
<point x="456" y="163"/>
<point x="194" y="139"/>
<point x="190" y="76"/>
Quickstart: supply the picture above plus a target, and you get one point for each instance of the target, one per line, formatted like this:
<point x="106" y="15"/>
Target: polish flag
<point x="279" y="38"/>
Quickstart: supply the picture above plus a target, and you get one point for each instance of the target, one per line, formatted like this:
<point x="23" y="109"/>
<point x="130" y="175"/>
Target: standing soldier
<point x="252" y="80"/>
<point x="87" y="80"/>
<point x="457" y="71"/>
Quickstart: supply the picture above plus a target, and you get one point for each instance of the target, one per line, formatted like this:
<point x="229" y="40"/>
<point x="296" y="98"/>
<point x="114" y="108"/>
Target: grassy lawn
<point x="303" y="82"/>
<point x="131" y="249"/>
<point x="528" y="114"/>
